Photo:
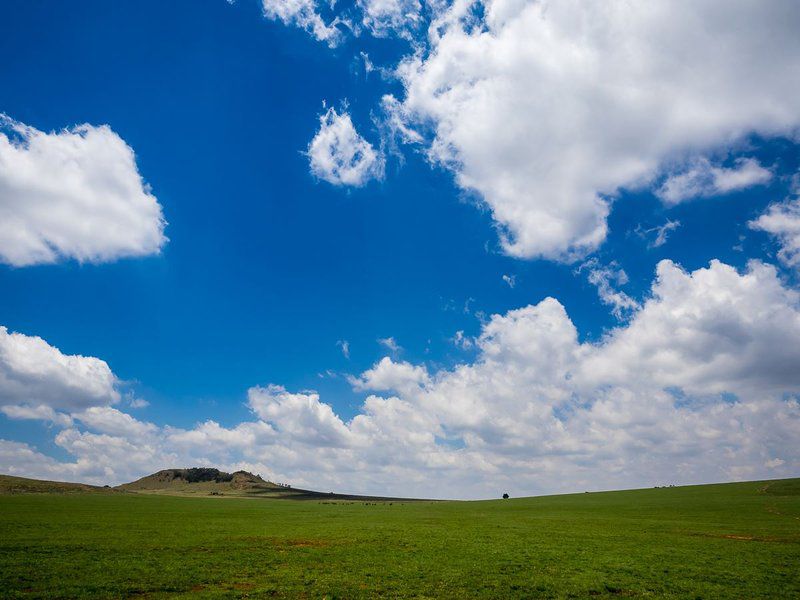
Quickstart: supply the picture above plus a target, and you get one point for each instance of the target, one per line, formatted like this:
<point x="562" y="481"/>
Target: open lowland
<point x="738" y="540"/>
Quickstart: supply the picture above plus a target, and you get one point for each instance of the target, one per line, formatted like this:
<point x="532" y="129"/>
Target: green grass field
<point x="720" y="541"/>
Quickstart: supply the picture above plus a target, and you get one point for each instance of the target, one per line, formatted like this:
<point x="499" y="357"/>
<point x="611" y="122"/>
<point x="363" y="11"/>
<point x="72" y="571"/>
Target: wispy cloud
<point x="782" y="221"/>
<point x="657" y="236"/>
<point x="390" y="344"/>
<point x="607" y="279"/>
<point x="703" y="179"/>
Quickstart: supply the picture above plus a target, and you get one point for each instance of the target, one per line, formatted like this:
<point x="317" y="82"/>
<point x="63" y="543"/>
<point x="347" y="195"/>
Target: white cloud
<point x="305" y="15"/>
<point x="301" y="415"/>
<point x="106" y="419"/>
<point x="39" y="412"/>
<point x="390" y="344"/>
<point x="339" y="155"/>
<point x="22" y="460"/>
<point x="746" y="172"/>
<point x="460" y="340"/>
<point x="344" y="346"/>
<point x="381" y="18"/>
<point x="606" y="278"/>
<point x="384" y="17"/>
<point x="782" y="220"/>
<point x="709" y="332"/>
<point x="511" y="280"/>
<point x="396" y="120"/>
<point x="76" y="194"/>
<point x="34" y="374"/>
<point x="138" y="403"/>
<point x="700" y="384"/>
<point x="547" y="109"/>
<point x="661" y="233"/>
<point x="211" y="434"/>
<point x="387" y="375"/>
<point x="703" y="179"/>
<point x="102" y="457"/>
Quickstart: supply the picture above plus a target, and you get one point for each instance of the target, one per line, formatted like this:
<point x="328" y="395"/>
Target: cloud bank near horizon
<point x="700" y="384"/>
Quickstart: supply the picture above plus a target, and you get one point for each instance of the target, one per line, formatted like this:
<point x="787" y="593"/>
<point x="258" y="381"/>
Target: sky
<point x="406" y="247"/>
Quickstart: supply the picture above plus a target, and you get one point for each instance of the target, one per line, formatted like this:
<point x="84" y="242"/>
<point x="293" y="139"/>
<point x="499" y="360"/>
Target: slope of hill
<point x="21" y="485"/>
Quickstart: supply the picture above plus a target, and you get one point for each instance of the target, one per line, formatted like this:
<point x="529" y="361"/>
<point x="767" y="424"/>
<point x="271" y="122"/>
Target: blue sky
<point x="268" y="266"/>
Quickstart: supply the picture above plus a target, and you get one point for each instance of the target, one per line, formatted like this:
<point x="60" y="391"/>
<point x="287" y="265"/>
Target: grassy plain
<point x="719" y="541"/>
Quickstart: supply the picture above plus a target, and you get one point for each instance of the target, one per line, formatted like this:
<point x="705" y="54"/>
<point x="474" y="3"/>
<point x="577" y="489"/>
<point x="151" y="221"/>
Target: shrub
<point x="206" y="474"/>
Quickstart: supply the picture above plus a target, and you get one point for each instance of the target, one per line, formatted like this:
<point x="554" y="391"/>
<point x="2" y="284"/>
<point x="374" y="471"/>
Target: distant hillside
<point x="204" y="481"/>
<point x="21" y="485"/>
<point x="204" y="475"/>
<point x="213" y="482"/>
<point x="197" y="481"/>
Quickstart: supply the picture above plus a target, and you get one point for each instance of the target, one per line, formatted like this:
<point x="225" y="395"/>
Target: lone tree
<point x="505" y="496"/>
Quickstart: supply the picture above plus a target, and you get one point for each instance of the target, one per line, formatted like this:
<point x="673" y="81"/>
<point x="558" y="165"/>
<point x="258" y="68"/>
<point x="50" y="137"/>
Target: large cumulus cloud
<point x="547" y="109"/>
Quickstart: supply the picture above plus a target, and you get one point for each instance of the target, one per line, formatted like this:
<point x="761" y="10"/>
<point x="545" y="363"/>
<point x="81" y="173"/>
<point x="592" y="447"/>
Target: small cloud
<point x="782" y="221"/>
<point x="511" y="280"/>
<point x="657" y="236"/>
<point x="606" y="278"/>
<point x="462" y="341"/>
<point x="448" y="305"/>
<point x="386" y="375"/>
<point x="305" y="15"/>
<point x="340" y="156"/>
<point x="344" y="345"/>
<point x="138" y="403"/>
<point x="41" y="412"/>
<point x="703" y="179"/>
<point x="774" y="463"/>
<point x="395" y="17"/>
<point x="467" y="305"/>
<point x="395" y="120"/>
<point x="369" y="67"/>
<point x="390" y="344"/>
<point x="384" y="73"/>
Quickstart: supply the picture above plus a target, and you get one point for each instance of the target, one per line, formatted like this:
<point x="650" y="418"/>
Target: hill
<point x="204" y="481"/>
<point x="22" y="485"/>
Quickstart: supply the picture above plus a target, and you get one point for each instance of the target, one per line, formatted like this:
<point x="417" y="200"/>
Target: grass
<point x="719" y="541"/>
